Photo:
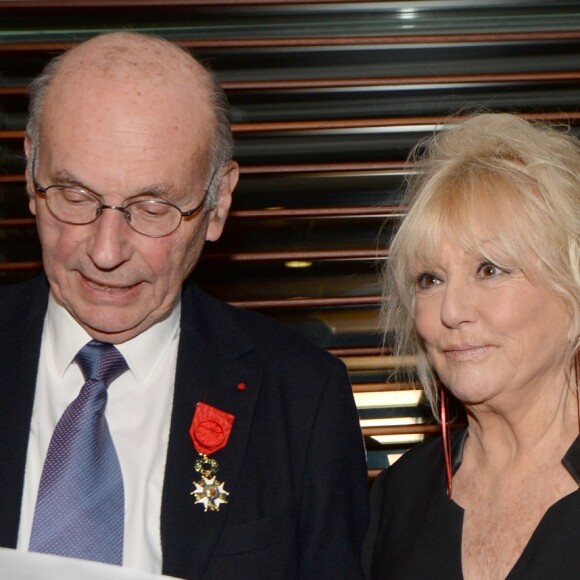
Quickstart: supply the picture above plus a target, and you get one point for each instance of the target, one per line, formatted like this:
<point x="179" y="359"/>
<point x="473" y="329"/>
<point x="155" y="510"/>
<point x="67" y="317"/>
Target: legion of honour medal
<point x="210" y="431"/>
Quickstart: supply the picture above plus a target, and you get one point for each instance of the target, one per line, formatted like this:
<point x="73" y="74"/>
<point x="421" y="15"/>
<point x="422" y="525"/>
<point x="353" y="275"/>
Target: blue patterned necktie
<point x="80" y="509"/>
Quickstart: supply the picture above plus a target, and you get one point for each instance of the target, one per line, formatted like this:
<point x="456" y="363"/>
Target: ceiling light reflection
<point x="298" y="264"/>
<point x="391" y="421"/>
<point x="384" y="399"/>
<point x="403" y="440"/>
<point x="408" y="13"/>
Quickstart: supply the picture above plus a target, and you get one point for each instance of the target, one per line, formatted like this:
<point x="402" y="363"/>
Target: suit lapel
<point x="21" y="323"/>
<point x="213" y="361"/>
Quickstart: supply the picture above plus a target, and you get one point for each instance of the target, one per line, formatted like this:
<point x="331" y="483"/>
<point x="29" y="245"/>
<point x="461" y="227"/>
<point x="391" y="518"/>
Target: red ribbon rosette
<point x="210" y="429"/>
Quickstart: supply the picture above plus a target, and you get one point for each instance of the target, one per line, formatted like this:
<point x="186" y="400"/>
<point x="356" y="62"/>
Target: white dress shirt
<point x="138" y="413"/>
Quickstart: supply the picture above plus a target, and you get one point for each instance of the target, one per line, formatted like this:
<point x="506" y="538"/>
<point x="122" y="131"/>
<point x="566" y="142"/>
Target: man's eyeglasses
<point x="153" y="218"/>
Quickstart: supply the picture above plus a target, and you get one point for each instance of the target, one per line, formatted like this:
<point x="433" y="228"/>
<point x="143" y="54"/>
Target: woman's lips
<point x="466" y="352"/>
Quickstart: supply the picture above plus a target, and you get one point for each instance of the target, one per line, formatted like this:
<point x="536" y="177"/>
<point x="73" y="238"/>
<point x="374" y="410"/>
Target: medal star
<point x="210" y="493"/>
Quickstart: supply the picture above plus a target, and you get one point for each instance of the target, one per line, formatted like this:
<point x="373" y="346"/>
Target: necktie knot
<point x="101" y="361"/>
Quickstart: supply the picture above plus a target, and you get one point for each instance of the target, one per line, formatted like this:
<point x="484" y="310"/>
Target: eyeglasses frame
<point x="122" y="208"/>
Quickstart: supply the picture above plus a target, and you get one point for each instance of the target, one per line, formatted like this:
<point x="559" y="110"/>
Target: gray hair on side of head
<point x="222" y="149"/>
<point x="522" y="181"/>
<point x="223" y="144"/>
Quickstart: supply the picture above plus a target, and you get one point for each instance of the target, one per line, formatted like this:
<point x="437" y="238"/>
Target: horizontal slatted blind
<point x="328" y="98"/>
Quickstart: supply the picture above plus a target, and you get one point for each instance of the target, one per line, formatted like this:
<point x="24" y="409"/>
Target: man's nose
<point x="109" y="246"/>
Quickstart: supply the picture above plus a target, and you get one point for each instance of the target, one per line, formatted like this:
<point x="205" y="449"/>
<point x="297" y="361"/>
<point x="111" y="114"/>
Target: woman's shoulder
<point x="421" y="464"/>
<point x="418" y="459"/>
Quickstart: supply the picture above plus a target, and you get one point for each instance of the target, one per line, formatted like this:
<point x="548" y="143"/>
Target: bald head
<point x="126" y="53"/>
<point x="142" y="70"/>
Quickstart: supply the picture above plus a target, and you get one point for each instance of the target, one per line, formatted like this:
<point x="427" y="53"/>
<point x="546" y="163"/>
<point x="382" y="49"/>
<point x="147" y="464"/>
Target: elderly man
<point x="143" y="422"/>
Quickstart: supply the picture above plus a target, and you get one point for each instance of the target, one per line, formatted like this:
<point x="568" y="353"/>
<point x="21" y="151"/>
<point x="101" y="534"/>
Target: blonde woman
<point x="483" y="285"/>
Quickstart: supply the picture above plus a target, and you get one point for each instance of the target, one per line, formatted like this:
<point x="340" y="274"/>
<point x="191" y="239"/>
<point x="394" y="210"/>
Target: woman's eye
<point x="489" y="270"/>
<point x="427" y="280"/>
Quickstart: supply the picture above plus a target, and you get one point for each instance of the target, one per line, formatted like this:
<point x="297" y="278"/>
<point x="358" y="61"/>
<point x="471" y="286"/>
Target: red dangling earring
<point x="446" y="438"/>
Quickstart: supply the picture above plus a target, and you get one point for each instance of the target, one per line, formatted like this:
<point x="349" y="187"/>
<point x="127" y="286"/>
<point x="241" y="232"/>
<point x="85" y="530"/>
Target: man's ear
<point x="219" y="214"/>
<point x="29" y="151"/>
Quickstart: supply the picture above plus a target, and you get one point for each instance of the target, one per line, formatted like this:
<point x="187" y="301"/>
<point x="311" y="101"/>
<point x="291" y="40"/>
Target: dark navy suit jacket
<point x="294" y="465"/>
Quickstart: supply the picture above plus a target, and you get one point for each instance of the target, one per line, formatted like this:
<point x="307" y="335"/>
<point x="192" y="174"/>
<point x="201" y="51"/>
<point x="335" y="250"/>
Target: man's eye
<point x="426" y="280"/>
<point x="76" y="197"/>
<point x="150" y="209"/>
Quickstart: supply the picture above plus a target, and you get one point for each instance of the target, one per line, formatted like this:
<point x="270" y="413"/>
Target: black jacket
<point x="294" y="466"/>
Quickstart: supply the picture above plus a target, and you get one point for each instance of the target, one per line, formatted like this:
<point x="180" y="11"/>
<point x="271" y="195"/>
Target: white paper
<point x="16" y="565"/>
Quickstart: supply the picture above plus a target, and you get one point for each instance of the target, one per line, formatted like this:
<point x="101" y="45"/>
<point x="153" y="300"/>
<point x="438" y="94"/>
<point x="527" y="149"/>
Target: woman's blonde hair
<point x="517" y="180"/>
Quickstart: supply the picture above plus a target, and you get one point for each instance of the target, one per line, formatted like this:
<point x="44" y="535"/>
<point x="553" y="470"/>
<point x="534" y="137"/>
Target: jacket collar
<point x="21" y="323"/>
<point x="215" y="356"/>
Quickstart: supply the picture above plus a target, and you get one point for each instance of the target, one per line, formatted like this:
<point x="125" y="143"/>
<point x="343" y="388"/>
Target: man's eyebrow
<point x="65" y="177"/>
<point x="161" y="189"/>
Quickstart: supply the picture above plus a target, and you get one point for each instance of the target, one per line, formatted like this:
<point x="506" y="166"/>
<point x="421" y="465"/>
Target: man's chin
<point x="114" y="331"/>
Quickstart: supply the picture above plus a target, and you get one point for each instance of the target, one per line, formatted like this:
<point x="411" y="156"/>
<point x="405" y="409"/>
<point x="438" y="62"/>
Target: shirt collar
<point x="65" y="337"/>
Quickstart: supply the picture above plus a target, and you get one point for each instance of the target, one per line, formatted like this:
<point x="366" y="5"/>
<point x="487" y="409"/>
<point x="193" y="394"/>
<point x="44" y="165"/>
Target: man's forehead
<point x="130" y="121"/>
<point x="120" y="66"/>
<point x="137" y="92"/>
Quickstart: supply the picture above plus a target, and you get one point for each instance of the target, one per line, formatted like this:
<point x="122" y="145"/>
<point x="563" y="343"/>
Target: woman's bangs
<point x="480" y="217"/>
